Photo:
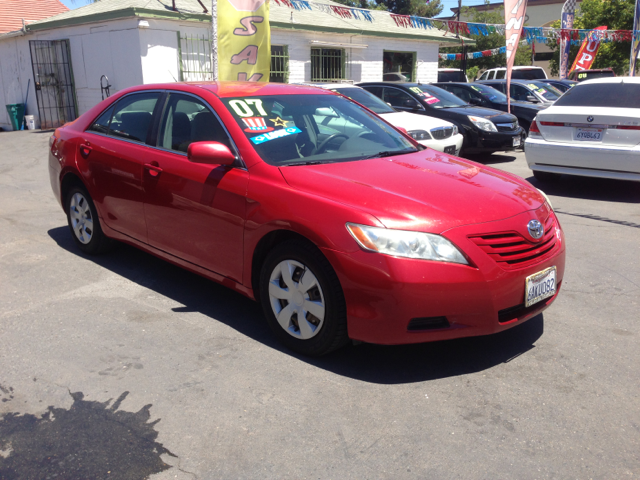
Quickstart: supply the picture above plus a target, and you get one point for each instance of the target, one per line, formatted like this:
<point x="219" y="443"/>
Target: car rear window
<point x="616" y="95"/>
<point x="451" y="77"/>
<point x="528" y="74"/>
<point x="582" y="76"/>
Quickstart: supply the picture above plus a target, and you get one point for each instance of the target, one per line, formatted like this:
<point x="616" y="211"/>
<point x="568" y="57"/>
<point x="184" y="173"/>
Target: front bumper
<point x="481" y="141"/>
<point x="440" y="145"/>
<point x="385" y="293"/>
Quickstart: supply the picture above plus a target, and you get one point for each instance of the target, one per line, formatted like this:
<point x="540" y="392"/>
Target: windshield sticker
<point x="542" y="91"/>
<point x="256" y="124"/>
<point x="278" y="122"/>
<point x="476" y="89"/>
<point x="417" y="91"/>
<point x="243" y="107"/>
<point x="283" y="132"/>
<point x="431" y="99"/>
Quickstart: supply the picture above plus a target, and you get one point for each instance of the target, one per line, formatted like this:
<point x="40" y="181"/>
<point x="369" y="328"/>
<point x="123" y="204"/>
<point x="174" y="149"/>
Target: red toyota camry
<point x="339" y="224"/>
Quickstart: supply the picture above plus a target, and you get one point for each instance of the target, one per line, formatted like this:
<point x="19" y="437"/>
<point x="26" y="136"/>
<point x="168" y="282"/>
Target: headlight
<point x="546" y="198"/>
<point x="483" y="123"/>
<point x="419" y="135"/>
<point x="402" y="243"/>
<point x="455" y="129"/>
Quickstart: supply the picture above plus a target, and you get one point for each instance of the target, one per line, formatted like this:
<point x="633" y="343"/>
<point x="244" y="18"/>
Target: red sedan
<point x="340" y="225"/>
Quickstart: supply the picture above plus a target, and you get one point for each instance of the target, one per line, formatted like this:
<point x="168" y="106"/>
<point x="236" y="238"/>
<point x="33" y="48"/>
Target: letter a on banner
<point x="514" y="11"/>
<point x="244" y="40"/>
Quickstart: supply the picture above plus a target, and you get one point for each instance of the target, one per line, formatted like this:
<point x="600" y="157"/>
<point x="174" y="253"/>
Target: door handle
<point x="85" y="150"/>
<point x="154" y="170"/>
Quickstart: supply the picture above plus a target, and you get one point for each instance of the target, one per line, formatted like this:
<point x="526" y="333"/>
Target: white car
<point x="517" y="73"/>
<point x="593" y="130"/>
<point x="428" y="131"/>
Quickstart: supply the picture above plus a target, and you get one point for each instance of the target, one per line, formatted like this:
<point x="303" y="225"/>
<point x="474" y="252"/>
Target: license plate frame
<point x="596" y="134"/>
<point x="537" y="287"/>
<point x="451" y="149"/>
<point x="517" y="141"/>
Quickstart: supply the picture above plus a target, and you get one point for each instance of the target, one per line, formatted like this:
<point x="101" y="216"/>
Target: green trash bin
<point x="16" y="114"/>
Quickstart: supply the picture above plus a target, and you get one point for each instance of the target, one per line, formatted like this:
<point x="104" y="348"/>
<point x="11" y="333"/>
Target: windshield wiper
<point x="389" y="153"/>
<point x="296" y="164"/>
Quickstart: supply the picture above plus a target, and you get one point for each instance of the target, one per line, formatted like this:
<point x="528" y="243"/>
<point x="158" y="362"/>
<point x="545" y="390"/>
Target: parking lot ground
<point x="123" y="366"/>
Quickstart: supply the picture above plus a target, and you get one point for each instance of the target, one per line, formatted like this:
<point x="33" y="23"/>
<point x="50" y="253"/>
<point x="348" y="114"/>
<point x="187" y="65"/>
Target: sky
<point x="447" y="4"/>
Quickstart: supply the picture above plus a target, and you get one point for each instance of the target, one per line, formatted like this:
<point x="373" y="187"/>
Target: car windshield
<point x="546" y="91"/>
<point x="310" y="129"/>
<point x="490" y="93"/>
<point x="365" y="98"/>
<point x="616" y="95"/>
<point x="436" y="97"/>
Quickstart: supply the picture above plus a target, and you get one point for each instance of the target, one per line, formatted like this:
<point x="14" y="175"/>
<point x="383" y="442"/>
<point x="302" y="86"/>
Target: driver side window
<point x="397" y="98"/>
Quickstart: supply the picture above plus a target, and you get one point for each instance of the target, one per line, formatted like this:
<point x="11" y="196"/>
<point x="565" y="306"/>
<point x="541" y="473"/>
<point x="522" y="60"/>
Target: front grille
<point x="511" y="250"/>
<point x="427" y="323"/>
<point x="507" y="127"/>
<point x="440" y="133"/>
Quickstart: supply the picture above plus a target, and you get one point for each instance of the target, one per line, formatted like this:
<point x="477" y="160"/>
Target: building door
<point x="53" y="77"/>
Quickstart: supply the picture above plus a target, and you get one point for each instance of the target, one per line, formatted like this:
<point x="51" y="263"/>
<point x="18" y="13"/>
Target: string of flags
<point x="530" y="34"/>
<point x="484" y="53"/>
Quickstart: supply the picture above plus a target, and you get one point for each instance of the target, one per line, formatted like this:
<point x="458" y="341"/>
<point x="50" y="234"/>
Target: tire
<point x="545" y="176"/>
<point x="84" y="223"/>
<point x="296" y="275"/>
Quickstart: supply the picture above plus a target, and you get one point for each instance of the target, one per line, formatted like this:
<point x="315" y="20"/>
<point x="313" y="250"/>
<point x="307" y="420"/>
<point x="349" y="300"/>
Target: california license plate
<point x="516" y="141"/>
<point x="589" y="134"/>
<point x="539" y="286"/>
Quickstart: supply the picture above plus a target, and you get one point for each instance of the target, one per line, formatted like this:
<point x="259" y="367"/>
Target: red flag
<point x="587" y="53"/>
<point x="514" y="11"/>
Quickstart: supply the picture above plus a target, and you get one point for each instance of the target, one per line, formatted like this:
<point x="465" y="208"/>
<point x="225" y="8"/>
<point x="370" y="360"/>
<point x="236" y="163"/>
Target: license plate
<point x="539" y="286"/>
<point x="516" y="141"/>
<point x="451" y="149"/>
<point x="589" y="134"/>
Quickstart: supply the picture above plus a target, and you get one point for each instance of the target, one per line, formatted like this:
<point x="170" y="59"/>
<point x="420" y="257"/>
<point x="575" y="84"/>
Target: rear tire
<point x="545" y="176"/>
<point x="302" y="299"/>
<point x="84" y="223"/>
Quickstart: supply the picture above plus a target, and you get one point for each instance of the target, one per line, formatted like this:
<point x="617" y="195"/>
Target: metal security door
<point x="53" y="76"/>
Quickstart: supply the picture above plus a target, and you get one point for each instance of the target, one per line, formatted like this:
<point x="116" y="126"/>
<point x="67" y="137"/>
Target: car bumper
<point x="384" y="294"/>
<point x="440" y="145"/>
<point x="480" y="141"/>
<point x="594" y="160"/>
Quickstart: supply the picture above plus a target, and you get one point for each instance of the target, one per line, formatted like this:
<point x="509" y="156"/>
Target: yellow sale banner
<point x="244" y="40"/>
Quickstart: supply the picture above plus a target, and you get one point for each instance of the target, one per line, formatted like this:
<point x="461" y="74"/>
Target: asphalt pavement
<point x="125" y="367"/>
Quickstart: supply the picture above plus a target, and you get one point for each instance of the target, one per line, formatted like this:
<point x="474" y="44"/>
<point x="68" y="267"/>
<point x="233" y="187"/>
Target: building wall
<point x="363" y="64"/>
<point x="15" y="72"/>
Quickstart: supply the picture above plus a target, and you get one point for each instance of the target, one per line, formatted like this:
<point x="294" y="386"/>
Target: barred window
<point x="279" y="64"/>
<point x="327" y="64"/>
<point x="194" y="56"/>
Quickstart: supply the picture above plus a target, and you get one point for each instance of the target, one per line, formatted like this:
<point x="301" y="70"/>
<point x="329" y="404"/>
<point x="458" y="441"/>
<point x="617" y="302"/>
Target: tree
<point x="421" y="8"/>
<point x="486" y="42"/>
<point x="616" y="15"/>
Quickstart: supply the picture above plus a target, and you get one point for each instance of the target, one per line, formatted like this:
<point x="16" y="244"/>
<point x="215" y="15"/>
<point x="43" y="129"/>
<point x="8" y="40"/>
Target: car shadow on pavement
<point x="588" y="188"/>
<point x="365" y="362"/>
<point x="491" y="158"/>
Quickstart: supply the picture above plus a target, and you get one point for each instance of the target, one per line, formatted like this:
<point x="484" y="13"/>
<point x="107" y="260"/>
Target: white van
<point x="517" y="73"/>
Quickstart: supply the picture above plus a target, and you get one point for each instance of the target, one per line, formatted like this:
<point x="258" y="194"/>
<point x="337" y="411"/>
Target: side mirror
<point x="403" y="130"/>
<point x="475" y="101"/>
<point x="532" y="99"/>
<point x="411" y="103"/>
<point x="210" y="153"/>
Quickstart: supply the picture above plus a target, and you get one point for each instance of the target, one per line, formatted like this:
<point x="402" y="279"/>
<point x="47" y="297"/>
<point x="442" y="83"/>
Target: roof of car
<point x="612" y="80"/>
<point x="329" y="86"/>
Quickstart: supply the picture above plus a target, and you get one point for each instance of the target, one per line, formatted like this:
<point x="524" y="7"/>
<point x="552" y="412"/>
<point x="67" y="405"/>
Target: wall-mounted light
<point x="143" y="24"/>
<point x="320" y="43"/>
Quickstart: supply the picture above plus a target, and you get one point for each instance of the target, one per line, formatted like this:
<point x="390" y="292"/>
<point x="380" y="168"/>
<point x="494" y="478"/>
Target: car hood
<point x="496" y="116"/>
<point x="413" y="121"/>
<point x="423" y="191"/>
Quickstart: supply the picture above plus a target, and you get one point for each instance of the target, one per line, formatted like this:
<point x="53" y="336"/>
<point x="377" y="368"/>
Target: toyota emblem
<point x="589" y="119"/>
<point x="536" y="229"/>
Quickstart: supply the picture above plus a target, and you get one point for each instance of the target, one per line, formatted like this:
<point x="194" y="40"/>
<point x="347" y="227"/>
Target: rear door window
<point x="500" y="74"/>
<point x="132" y="116"/>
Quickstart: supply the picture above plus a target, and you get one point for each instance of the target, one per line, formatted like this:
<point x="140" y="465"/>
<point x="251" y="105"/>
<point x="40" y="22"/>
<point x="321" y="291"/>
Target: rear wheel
<point x="302" y="299"/>
<point x="545" y="176"/>
<point x="84" y="222"/>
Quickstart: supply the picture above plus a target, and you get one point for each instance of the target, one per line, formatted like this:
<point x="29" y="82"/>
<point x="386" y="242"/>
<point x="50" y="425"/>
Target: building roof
<point x="279" y="16"/>
<point x="12" y="12"/>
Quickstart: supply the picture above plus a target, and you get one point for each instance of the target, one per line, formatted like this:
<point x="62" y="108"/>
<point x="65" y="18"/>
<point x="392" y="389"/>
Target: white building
<point x="134" y="42"/>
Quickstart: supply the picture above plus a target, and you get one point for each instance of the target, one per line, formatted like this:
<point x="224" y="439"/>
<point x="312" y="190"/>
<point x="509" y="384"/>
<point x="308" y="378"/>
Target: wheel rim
<point x="296" y="299"/>
<point x="81" y="218"/>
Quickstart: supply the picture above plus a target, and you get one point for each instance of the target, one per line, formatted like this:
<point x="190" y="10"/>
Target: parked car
<point x="517" y="73"/>
<point x="562" y="85"/>
<point x="396" y="77"/>
<point x="428" y="131"/>
<point x="593" y="130"/>
<point x="452" y="75"/>
<point x="484" y="129"/>
<point x="486" y="96"/>
<point x="531" y="91"/>
<point x="364" y="235"/>
<point x="582" y="75"/>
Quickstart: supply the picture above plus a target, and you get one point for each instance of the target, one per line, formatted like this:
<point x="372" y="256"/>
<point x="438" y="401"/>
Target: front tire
<point x="84" y="223"/>
<point x="545" y="176"/>
<point x="302" y="299"/>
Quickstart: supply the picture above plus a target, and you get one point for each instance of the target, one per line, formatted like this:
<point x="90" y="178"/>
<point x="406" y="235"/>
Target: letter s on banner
<point x="244" y="40"/>
<point x="514" y="11"/>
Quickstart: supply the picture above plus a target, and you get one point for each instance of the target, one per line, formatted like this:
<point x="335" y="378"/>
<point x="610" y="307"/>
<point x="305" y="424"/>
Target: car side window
<point x="462" y="93"/>
<point x="397" y="98"/>
<point x="186" y="120"/>
<point x="498" y="86"/>
<point x="501" y="73"/>
<point x="101" y="124"/>
<point x="519" y="93"/>
<point x="132" y="116"/>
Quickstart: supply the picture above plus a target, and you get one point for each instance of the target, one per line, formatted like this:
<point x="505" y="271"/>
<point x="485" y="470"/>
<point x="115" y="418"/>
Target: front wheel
<point x="545" y="176"/>
<point x="302" y="299"/>
<point x="84" y="222"/>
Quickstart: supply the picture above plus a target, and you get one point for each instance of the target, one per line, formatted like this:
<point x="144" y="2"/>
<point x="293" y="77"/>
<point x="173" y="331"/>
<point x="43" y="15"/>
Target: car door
<point x="114" y="150"/>
<point x="195" y="211"/>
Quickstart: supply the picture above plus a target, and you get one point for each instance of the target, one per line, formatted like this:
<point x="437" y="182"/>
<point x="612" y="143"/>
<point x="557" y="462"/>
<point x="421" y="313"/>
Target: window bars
<point x="327" y="64"/>
<point x="279" y="64"/>
<point x="194" y="57"/>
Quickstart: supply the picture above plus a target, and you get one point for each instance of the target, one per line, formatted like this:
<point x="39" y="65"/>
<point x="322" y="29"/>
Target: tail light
<point x="534" y="131"/>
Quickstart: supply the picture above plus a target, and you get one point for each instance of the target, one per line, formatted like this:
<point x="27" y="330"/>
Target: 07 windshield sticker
<point x="283" y="132"/>
<point x="243" y="108"/>
<point x="256" y="124"/>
